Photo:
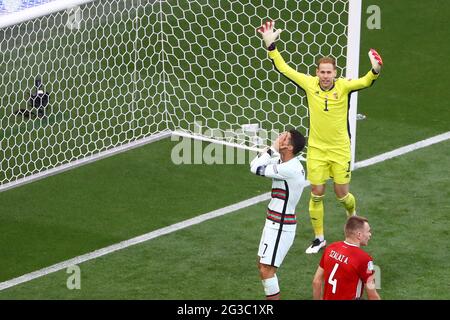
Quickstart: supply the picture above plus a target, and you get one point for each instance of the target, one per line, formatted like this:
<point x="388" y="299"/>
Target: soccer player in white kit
<point x="280" y="163"/>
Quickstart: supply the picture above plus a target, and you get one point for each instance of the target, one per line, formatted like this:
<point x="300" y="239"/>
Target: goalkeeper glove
<point x="269" y="36"/>
<point x="376" y="61"/>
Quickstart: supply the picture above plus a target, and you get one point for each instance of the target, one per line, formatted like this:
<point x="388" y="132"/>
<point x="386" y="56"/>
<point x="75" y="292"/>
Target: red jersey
<point x="346" y="269"/>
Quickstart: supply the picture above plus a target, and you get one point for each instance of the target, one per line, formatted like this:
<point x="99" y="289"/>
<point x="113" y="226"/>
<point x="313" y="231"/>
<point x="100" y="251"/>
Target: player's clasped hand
<point x="268" y="34"/>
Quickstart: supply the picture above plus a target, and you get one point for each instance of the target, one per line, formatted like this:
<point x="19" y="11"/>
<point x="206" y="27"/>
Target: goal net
<point x="106" y="75"/>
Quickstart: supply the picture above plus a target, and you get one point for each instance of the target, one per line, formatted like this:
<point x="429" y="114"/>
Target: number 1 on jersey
<point x="332" y="281"/>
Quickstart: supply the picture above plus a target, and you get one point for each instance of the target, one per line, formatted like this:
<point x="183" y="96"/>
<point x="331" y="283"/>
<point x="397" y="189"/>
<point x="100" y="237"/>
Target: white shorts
<point x="274" y="247"/>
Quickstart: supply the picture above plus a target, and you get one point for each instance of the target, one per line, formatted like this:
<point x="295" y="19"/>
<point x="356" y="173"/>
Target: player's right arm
<point x="366" y="273"/>
<point x="268" y="165"/>
<point x="264" y="167"/>
<point x="317" y="283"/>
<point x="266" y="158"/>
<point x="299" y="78"/>
<point x="270" y="36"/>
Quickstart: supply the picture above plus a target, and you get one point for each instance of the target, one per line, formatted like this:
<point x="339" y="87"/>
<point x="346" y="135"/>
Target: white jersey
<point x="288" y="181"/>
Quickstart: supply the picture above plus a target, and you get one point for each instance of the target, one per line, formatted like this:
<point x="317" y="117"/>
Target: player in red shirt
<point x="345" y="268"/>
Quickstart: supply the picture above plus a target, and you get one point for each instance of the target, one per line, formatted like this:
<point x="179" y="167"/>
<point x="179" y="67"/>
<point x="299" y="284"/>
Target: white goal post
<point x="83" y="79"/>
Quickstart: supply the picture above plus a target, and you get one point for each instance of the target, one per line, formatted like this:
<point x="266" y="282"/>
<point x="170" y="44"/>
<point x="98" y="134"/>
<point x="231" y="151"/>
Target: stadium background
<point x="406" y="198"/>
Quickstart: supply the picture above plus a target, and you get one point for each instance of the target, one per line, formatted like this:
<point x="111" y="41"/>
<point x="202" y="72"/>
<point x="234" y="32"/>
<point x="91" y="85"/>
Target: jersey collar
<point x="351" y="244"/>
<point x="332" y="87"/>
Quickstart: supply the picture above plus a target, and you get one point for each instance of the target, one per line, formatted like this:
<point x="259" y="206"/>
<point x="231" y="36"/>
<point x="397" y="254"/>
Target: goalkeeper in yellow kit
<point x="329" y="153"/>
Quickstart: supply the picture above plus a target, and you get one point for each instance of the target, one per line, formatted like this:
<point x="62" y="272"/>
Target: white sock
<point x="271" y="286"/>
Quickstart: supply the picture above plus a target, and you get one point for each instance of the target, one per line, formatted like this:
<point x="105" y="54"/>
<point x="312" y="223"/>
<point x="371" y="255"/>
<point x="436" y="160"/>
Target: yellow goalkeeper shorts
<point x="323" y="164"/>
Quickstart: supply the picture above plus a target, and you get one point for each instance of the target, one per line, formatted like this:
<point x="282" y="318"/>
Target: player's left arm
<point x="371" y="290"/>
<point x="366" y="273"/>
<point x="266" y="158"/>
<point x="283" y="171"/>
<point x="264" y="165"/>
<point x="370" y="77"/>
<point x="267" y="165"/>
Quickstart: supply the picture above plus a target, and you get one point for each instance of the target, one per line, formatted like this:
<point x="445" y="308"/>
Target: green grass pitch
<point x="217" y="259"/>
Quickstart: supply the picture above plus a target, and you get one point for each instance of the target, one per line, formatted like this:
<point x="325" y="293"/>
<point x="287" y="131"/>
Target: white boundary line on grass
<point x="199" y="219"/>
<point x="134" y="241"/>
<point x="397" y="152"/>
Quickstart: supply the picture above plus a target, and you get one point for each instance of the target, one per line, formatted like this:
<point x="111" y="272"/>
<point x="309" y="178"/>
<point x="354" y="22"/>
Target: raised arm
<point x="270" y="37"/>
<point x="266" y="158"/>
<point x="375" y="60"/>
<point x="371" y="76"/>
<point x="267" y="164"/>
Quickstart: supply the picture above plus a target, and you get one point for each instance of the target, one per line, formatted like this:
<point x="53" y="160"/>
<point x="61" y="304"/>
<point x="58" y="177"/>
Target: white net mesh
<point x="119" y="71"/>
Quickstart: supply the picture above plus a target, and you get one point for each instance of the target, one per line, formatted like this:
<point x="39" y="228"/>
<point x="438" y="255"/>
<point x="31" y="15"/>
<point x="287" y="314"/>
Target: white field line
<point x="199" y="219"/>
<point x="134" y="241"/>
<point x="398" y="152"/>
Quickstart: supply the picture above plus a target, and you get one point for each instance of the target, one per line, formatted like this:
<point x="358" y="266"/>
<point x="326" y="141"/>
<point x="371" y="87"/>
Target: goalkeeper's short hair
<point x="330" y="60"/>
<point x="297" y="141"/>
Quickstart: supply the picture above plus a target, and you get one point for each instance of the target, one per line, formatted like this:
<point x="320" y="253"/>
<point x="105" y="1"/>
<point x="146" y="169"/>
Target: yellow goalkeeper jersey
<point x="328" y="110"/>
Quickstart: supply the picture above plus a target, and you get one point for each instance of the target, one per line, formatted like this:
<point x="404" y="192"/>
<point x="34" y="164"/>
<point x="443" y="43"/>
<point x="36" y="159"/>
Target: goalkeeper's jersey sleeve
<point x="328" y="109"/>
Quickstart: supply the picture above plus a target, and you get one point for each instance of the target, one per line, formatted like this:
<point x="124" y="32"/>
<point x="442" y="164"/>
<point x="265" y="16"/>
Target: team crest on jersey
<point x="335" y="95"/>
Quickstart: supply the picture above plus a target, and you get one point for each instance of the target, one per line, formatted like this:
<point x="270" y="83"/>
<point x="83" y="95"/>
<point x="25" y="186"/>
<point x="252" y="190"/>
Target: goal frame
<point x="352" y="71"/>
